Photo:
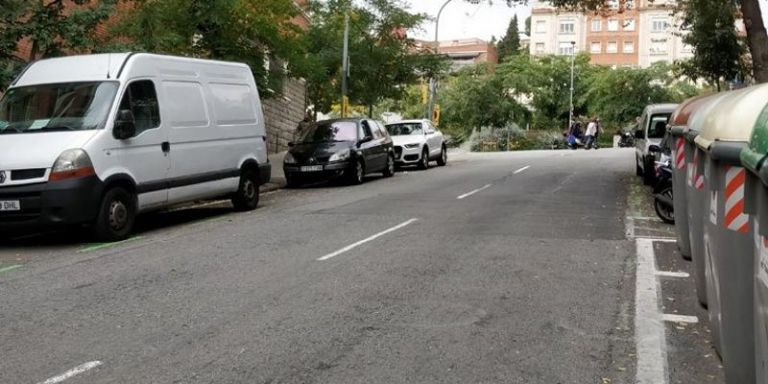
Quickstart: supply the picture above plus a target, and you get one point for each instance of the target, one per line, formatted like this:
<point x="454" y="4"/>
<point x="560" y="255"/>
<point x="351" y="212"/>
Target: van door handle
<point x="165" y="146"/>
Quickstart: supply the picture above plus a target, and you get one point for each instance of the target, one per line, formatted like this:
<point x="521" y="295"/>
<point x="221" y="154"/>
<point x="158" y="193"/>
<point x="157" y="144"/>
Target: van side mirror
<point x="653" y="148"/>
<point x="639" y="134"/>
<point x="291" y="144"/>
<point x="125" y="125"/>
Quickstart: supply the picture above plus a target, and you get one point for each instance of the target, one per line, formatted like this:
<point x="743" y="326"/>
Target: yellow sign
<point x="436" y="115"/>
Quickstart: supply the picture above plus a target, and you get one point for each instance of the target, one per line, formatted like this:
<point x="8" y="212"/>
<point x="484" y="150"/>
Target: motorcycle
<point x="663" y="197"/>
<point x="626" y="140"/>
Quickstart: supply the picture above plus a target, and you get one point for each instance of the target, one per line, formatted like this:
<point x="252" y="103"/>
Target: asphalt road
<point x="530" y="279"/>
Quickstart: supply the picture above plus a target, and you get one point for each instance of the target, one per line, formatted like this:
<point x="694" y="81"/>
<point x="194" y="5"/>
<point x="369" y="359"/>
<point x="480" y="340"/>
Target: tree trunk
<point x="757" y="39"/>
<point x="370" y="111"/>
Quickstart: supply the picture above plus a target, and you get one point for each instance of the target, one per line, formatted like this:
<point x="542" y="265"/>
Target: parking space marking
<point x="73" y="372"/>
<point x="650" y="338"/>
<point x="371" y="238"/>
<point x="522" y="169"/>
<point x="97" y="246"/>
<point x="672" y="274"/>
<point x="470" y="193"/>
<point x="672" y="318"/>
<point x="10" y="268"/>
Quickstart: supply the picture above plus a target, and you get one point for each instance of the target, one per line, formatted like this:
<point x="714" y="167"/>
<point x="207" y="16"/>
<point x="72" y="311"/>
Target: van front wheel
<point x="247" y="196"/>
<point x="117" y="215"/>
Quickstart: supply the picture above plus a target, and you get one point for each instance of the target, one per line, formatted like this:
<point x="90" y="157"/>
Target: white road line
<point x="73" y="372"/>
<point x="522" y="169"/>
<point x="470" y="193"/>
<point x="361" y="242"/>
<point x="649" y="329"/>
<point x="679" y="318"/>
<point x="672" y="274"/>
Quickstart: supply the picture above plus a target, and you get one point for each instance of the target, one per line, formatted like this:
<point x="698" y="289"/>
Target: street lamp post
<point x="573" y="57"/>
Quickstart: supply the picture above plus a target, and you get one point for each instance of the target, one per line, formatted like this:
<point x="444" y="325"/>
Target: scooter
<point x="626" y="140"/>
<point x="663" y="198"/>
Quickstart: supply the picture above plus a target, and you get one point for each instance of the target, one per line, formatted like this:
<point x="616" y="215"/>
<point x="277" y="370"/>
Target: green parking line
<point x="97" y="246"/>
<point x="10" y="268"/>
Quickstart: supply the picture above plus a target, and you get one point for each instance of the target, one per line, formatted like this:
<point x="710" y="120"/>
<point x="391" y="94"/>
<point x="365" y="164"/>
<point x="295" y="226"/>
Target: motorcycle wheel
<point x="665" y="213"/>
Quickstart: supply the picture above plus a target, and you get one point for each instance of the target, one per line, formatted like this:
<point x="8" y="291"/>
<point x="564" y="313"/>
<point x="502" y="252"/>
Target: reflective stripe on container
<point x="735" y="218"/>
<point x="680" y="153"/>
<point x="698" y="177"/>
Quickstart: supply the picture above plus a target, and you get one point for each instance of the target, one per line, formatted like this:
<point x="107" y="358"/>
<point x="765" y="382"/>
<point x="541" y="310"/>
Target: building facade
<point x="626" y="33"/>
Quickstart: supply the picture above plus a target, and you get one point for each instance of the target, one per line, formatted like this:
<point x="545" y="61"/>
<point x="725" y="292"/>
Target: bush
<point x="494" y="139"/>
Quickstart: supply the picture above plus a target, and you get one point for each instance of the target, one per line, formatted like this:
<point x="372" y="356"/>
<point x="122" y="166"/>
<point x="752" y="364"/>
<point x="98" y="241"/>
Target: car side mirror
<point x="291" y="143"/>
<point x="654" y="148"/>
<point x="125" y="125"/>
<point x="365" y="140"/>
<point x="639" y="134"/>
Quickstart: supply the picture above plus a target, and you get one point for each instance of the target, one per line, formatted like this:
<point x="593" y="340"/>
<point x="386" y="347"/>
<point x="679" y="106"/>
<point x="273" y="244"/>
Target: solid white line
<point x="73" y="372"/>
<point x="470" y="193"/>
<point x="361" y="242"/>
<point x="680" y="318"/>
<point x="658" y="239"/>
<point x="650" y="341"/>
<point x="672" y="274"/>
<point x="522" y="169"/>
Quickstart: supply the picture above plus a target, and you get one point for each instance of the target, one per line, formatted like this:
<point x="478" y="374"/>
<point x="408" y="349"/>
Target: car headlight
<point x="289" y="159"/>
<point x="412" y="146"/>
<point x="340" y="155"/>
<point x="71" y="164"/>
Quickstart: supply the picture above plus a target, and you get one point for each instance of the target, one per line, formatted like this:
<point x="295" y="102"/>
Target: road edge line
<point x="650" y="339"/>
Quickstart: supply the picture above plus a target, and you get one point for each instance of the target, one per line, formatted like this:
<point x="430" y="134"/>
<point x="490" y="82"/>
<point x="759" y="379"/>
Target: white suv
<point x="417" y="142"/>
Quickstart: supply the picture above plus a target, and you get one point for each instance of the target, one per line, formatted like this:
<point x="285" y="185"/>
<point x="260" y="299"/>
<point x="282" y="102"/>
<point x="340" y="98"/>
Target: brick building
<point x="464" y="52"/>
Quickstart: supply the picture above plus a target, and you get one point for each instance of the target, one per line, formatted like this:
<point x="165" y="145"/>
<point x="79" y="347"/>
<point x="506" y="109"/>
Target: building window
<point x="613" y="25"/>
<point x="567" y="27"/>
<point x="541" y="26"/>
<point x="596" y="47"/>
<point x="540" y="48"/>
<point x="629" y="47"/>
<point x="629" y="5"/>
<point x="613" y="4"/>
<point x="611" y="47"/>
<point x="597" y="25"/>
<point x="629" y="24"/>
<point x="565" y="49"/>
<point x="658" y="46"/>
<point x="659" y="25"/>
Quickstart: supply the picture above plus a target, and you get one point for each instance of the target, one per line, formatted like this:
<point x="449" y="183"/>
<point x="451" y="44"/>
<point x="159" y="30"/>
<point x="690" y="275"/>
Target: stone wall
<point x="283" y="113"/>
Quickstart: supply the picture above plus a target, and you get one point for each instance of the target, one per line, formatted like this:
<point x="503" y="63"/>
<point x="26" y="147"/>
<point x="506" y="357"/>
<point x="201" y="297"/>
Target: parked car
<point x="97" y="139"/>
<point x="331" y="149"/>
<point x="650" y="130"/>
<point x="417" y="142"/>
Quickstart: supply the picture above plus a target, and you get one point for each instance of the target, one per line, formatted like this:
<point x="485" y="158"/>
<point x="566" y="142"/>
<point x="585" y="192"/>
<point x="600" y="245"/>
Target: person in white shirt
<point x="591" y="133"/>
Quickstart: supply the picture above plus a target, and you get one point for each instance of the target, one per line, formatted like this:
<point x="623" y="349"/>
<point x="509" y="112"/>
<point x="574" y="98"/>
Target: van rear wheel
<point x="117" y="214"/>
<point x="247" y="196"/>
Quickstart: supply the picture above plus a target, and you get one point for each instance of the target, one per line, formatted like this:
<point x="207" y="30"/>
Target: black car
<point x="348" y="148"/>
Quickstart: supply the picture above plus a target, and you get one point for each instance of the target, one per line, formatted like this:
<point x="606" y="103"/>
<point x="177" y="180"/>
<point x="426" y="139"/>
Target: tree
<point x="51" y="28"/>
<point x="252" y="31"/>
<point x="757" y="38"/>
<point x="711" y="32"/>
<point x="510" y="43"/>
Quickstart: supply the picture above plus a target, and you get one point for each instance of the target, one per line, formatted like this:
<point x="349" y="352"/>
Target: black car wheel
<point x="424" y="162"/>
<point x="389" y="170"/>
<point x="247" y="196"/>
<point x="443" y="160"/>
<point x="117" y="214"/>
<point x="357" y="173"/>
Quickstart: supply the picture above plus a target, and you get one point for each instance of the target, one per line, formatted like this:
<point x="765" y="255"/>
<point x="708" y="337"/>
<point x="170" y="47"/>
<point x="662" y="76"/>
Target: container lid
<point x="754" y="155"/>
<point x="678" y="122"/>
<point x="697" y="117"/>
<point x="733" y="116"/>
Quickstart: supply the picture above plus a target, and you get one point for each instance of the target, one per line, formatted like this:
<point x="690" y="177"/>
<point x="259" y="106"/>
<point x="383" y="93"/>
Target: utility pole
<point x="345" y="69"/>
<point x="573" y="57"/>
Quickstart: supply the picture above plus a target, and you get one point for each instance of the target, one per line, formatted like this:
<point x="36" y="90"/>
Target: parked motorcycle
<point x="663" y="199"/>
<point x="626" y="140"/>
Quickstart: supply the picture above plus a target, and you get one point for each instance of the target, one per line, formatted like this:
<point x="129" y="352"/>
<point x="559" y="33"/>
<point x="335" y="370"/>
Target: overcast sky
<point x="463" y="20"/>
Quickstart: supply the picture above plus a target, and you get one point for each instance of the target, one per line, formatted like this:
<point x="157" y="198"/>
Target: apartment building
<point x="462" y="52"/>
<point x="626" y="33"/>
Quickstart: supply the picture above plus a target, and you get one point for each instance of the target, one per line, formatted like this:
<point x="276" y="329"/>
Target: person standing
<point x="599" y="131"/>
<point x="302" y="126"/>
<point x="591" y="133"/>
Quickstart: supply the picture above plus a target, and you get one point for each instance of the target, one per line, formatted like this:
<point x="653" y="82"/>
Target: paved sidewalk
<point x="278" y="177"/>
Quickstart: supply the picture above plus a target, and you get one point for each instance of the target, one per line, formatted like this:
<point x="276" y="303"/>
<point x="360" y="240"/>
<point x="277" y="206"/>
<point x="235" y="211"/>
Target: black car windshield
<point x="56" y="107"/>
<point x="325" y="131"/>
<point x="405" y="129"/>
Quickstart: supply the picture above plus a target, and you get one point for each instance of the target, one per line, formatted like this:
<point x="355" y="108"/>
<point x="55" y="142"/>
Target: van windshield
<point x="56" y="107"/>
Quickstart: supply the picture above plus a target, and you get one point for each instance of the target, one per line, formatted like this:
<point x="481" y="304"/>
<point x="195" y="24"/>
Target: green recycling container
<point x="694" y="196"/>
<point x="753" y="158"/>
<point x="728" y="240"/>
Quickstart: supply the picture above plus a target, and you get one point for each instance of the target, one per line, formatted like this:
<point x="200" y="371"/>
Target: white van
<point x="97" y="139"/>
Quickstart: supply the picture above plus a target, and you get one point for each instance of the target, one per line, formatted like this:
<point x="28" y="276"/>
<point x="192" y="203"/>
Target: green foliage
<point x="510" y="43"/>
<point x="718" y="53"/>
<point x="50" y="29"/>
<point x="409" y="105"/>
<point x="251" y="31"/>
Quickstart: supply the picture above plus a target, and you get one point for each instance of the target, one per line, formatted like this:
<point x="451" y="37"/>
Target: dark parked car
<point x="348" y="148"/>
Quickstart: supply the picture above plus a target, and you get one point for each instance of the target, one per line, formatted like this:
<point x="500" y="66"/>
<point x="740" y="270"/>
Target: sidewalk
<point x="278" y="177"/>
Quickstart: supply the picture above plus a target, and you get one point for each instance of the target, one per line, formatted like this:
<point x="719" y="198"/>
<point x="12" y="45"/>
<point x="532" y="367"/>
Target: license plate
<point x="10" y="205"/>
<point x="312" y="168"/>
